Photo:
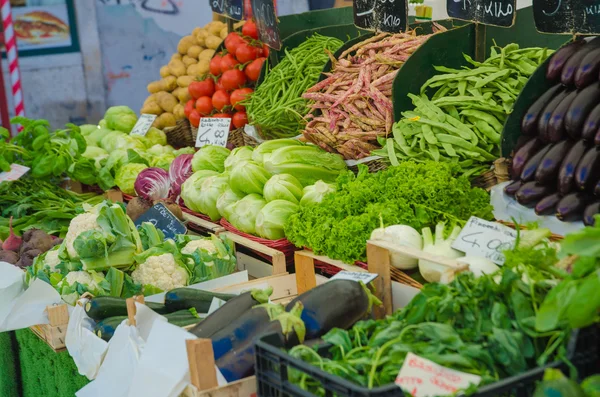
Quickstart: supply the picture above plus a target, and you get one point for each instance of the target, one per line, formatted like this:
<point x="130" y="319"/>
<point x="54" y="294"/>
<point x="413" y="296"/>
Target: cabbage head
<point x="205" y="201"/>
<point x="102" y="124"/>
<point x="120" y="118"/>
<point x="162" y="161"/>
<point x="190" y="189"/>
<point x="210" y="157"/>
<point x="94" y="138"/>
<point x="244" y="212"/>
<point x="154" y="136"/>
<point x="248" y="177"/>
<point x="283" y="187"/>
<point x="126" y="176"/>
<point x="272" y="217"/>
<point x="237" y="155"/>
<point x="314" y="194"/>
<point x="95" y="153"/>
<point x="225" y="201"/>
<point x="184" y="150"/>
<point x="87" y="129"/>
<point x="264" y="150"/>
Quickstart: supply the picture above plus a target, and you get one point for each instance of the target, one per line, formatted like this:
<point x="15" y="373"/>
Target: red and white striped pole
<point x="12" y="56"/>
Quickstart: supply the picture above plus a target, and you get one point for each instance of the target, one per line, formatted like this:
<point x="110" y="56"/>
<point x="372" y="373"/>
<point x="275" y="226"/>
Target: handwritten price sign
<point x="567" y="16"/>
<point x="213" y="131"/>
<point x="488" y="12"/>
<point x="266" y="23"/>
<point x="16" y="172"/>
<point x="355" y="276"/>
<point x="143" y="124"/>
<point x="424" y="378"/>
<point x="231" y="8"/>
<point x="381" y="15"/>
<point x="486" y="239"/>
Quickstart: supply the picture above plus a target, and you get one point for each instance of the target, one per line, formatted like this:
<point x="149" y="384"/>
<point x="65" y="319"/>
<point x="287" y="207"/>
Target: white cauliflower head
<point x="52" y="260"/>
<point x="193" y="245"/>
<point x="82" y="277"/>
<point x="161" y="271"/>
<point x="81" y="223"/>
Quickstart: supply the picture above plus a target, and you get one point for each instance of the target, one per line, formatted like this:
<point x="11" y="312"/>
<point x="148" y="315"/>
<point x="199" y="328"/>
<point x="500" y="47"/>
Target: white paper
<point x="215" y="304"/>
<point x="84" y="346"/>
<point x="485" y="239"/>
<point x="213" y="131"/>
<point x="424" y="378"/>
<point x="230" y="279"/>
<point x="16" y="172"/>
<point x="507" y="209"/>
<point x="355" y="276"/>
<point x="12" y="284"/>
<point x="145" y="318"/>
<point x="121" y="360"/>
<point x="142" y="126"/>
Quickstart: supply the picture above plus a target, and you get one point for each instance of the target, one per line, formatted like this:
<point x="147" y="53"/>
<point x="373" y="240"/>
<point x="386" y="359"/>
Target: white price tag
<point x="424" y="378"/>
<point x="355" y="276"/>
<point x="486" y="239"/>
<point x="213" y="131"/>
<point x="16" y="171"/>
<point x="143" y="124"/>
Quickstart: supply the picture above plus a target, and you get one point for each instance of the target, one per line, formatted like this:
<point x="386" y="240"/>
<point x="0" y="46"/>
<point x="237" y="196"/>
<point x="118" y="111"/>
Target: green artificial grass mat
<point x="9" y="365"/>
<point x="45" y="372"/>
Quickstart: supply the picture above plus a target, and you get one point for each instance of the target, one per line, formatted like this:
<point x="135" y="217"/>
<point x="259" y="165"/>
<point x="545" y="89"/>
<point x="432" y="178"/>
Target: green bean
<point x="428" y="134"/>
<point x="488" y="118"/>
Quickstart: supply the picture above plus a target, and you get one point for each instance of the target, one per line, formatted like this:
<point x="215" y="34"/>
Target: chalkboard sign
<point x="163" y="219"/>
<point x="266" y="23"/>
<point x="231" y="8"/>
<point x="567" y="16"/>
<point x="381" y="15"/>
<point x="488" y="12"/>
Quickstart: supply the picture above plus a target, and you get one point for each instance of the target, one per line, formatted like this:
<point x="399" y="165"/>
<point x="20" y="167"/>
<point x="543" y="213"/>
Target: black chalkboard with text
<point x="233" y="9"/>
<point x="381" y="15"/>
<point x="567" y="16"/>
<point x="266" y="23"/>
<point x="162" y="219"/>
<point x="487" y="12"/>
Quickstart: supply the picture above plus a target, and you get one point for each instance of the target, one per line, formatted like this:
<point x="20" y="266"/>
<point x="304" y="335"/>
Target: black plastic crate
<point x="273" y="363"/>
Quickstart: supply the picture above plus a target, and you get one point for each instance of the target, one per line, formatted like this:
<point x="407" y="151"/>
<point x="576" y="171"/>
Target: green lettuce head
<point x="157" y="149"/>
<point x="244" y="212"/>
<point x="314" y="194"/>
<point x="190" y="189"/>
<point x="162" y="161"/>
<point x="210" y="157"/>
<point x="237" y="155"/>
<point x="184" y="150"/>
<point x="94" y="138"/>
<point x="225" y="202"/>
<point x="272" y="217"/>
<point x="87" y="129"/>
<point x="210" y="190"/>
<point x="97" y="154"/>
<point x="264" y="150"/>
<point x="283" y="187"/>
<point x="120" y="118"/>
<point x="126" y="176"/>
<point x="248" y="177"/>
<point x="102" y="124"/>
<point x="154" y="136"/>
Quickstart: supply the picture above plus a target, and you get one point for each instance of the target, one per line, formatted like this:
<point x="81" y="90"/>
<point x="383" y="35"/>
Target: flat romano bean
<point x="488" y="118"/>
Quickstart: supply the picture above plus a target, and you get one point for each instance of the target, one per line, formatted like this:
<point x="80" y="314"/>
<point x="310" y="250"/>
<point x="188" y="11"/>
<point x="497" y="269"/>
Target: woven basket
<point x="498" y="174"/>
<point x="239" y="138"/>
<point x="181" y="135"/>
<point x="373" y="165"/>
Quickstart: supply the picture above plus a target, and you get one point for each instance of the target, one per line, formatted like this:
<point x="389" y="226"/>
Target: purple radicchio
<point x="179" y="171"/>
<point x="152" y="184"/>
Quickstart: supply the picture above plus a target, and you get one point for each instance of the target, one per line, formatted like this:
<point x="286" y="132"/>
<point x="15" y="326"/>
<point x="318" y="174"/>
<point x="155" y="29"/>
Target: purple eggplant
<point x="567" y="74"/>
<point x="528" y="173"/>
<point x="566" y="174"/>
<point x="530" y="120"/>
<point x="580" y="108"/>
<point x="547" y="171"/>
<point x="521" y="141"/>
<point x="546" y="114"/>
<point x="589" y="213"/>
<point x="512" y="187"/>
<point x="560" y="57"/>
<point x="570" y="208"/>
<point x="531" y="192"/>
<point x="597" y="189"/>
<point x="587" y="71"/>
<point x="588" y="169"/>
<point x="547" y="205"/>
<point x="523" y="155"/>
<point x="555" y="130"/>
<point x="591" y="125"/>
<point x="597" y="138"/>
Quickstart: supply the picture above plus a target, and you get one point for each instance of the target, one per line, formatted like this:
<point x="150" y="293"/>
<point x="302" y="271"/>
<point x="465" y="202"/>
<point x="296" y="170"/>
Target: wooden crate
<point x="55" y="332"/>
<point x="202" y="226"/>
<point x="257" y="268"/>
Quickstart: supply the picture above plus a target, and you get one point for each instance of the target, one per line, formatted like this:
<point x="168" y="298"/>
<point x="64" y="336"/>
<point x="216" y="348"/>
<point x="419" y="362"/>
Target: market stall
<point x="313" y="204"/>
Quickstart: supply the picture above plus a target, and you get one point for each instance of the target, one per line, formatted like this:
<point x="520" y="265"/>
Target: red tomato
<point x="204" y="105"/>
<point x="232" y="41"/>
<point x="199" y="89"/>
<point x="219" y="85"/>
<point x="239" y="95"/>
<point x="195" y="118"/>
<point x="215" y="65"/>
<point x="250" y="30"/>
<point x="252" y="70"/>
<point x="240" y="119"/>
<point x="233" y="79"/>
<point x="222" y="115"/>
<point x="228" y="62"/>
<point x="189" y="106"/>
<point x="220" y="99"/>
<point x="246" y="53"/>
<point x="265" y="51"/>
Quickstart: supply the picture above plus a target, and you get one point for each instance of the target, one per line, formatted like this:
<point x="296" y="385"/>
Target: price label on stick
<point x="266" y="23"/>
<point x="16" y="171"/>
<point x="143" y="124"/>
<point x="485" y="239"/>
<point x="233" y="9"/>
<point x="355" y="276"/>
<point x="567" y="16"/>
<point x="213" y="131"/>
<point x="163" y="219"/>
<point x="487" y="12"/>
<point x="381" y="15"/>
<point x="424" y="378"/>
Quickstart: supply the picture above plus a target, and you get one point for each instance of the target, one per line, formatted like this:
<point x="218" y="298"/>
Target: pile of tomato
<point x="233" y="73"/>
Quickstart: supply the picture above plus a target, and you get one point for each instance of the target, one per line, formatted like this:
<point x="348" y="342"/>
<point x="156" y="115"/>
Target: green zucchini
<point x="186" y="298"/>
<point x="182" y="318"/>
<point x="103" y="307"/>
<point x="105" y="329"/>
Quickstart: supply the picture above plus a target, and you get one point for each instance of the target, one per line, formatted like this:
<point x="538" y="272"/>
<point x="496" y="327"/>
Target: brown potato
<point x="169" y="83"/>
<point x="184" y="81"/>
<point x="215" y="27"/>
<point x="184" y="44"/>
<point x="164" y="71"/>
<point x="155" y="86"/>
<point x="176" y="56"/>
<point x="167" y="102"/>
<point x="179" y="112"/>
<point x="213" y="42"/>
<point x="194" y="51"/>
<point x="165" y="120"/>
<point x="206" y="54"/>
<point x="187" y="61"/>
<point x="183" y="95"/>
<point x="223" y="33"/>
<point x="151" y="98"/>
<point x="151" y="108"/>
<point x="177" y="68"/>
<point x="192" y="70"/>
<point x="203" y="67"/>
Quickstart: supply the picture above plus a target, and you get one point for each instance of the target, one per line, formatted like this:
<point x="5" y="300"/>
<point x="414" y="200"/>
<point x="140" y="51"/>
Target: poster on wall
<point x="44" y="27"/>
